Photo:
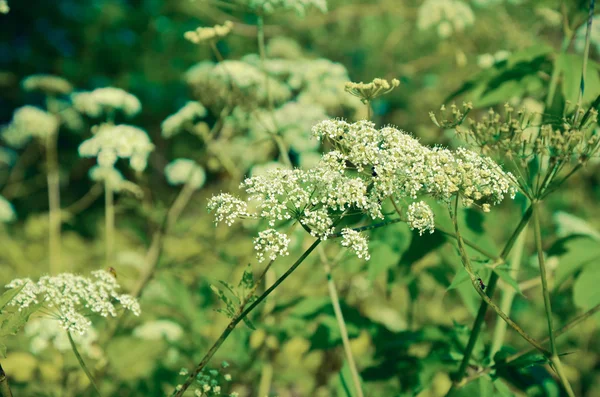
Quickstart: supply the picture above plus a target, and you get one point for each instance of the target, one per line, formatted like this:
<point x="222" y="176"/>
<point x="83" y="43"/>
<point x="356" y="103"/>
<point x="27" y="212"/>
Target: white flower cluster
<point x="48" y="84"/>
<point x="299" y="6"/>
<point x="7" y="212"/>
<point x="46" y="332"/>
<point x="182" y="171"/>
<point x="271" y="243"/>
<point x="486" y="61"/>
<point x="176" y="122"/>
<point x="108" y="175"/>
<point x="449" y="16"/>
<point x="4" y="8"/>
<point x="29" y="122"/>
<point x="356" y="242"/>
<point x="105" y="101"/>
<point x="227" y="208"/>
<point x="118" y="141"/>
<point x="74" y="297"/>
<point x="366" y="167"/>
<point x="420" y="216"/>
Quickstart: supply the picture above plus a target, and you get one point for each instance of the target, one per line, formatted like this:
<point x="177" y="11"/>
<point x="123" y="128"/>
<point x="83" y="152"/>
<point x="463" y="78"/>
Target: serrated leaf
<point x="249" y="324"/>
<point x="505" y="276"/>
<point x="14" y="321"/>
<point x="224" y="298"/>
<point x="9" y="295"/>
<point x="229" y="288"/>
<point x="247" y="281"/>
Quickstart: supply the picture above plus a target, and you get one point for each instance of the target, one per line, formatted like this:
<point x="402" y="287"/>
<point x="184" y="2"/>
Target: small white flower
<point x="272" y="244"/>
<point x="356" y="242"/>
<point x="227" y="208"/>
<point x="420" y="217"/>
<point x="71" y="297"/>
<point x="177" y="121"/>
<point x="159" y="329"/>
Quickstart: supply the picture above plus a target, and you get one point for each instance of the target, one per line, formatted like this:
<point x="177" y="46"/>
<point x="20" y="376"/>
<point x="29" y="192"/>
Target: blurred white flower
<point x="4" y="8"/>
<point x="176" y="122"/>
<point x="47" y="331"/>
<point x="449" y="16"/>
<point x="299" y="6"/>
<point x="118" y="141"/>
<point x="182" y="171"/>
<point x="29" y="122"/>
<point x="49" y="84"/>
<point x="7" y="212"/>
<point x="159" y="329"/>
<point x="104" y="101"/>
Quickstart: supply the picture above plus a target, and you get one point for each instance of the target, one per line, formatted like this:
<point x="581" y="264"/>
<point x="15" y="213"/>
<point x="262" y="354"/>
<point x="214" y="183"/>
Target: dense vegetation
<point x="198" y="197"/>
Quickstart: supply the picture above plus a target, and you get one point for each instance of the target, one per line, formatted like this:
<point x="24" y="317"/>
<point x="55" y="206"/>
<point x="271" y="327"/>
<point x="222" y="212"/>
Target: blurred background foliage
<point x="408" y="315"/>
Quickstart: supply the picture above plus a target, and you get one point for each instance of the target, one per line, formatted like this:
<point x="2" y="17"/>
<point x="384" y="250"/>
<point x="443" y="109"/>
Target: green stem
<point x="109" y="219"/>
<point x="339" y="316"/>
<point x="240" y="316"/>
<point x="266" y="378"/>
<point x="554" y="359"/>
<point x="4" y="387"/>
<point x="564" y="329"/>
<point x="586" y="55"/>
<point x="54" y="214"/>
<point x="467" y="264"/>
<point x="490" y="291"/>
<point x="82" y="364"/>
<point x="180" y="203"/>
<point x="508" y="295"/>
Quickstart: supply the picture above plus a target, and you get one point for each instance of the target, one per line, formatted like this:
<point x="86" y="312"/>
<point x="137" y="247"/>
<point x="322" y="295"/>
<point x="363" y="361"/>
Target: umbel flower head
<point x="48" y="84"/>
<point x="182" y="171"/>
<point x="366" y="167"/>
<point x="112" y="142"/>
<point x="106" y="101"/>
<point x="205" y="34"/>
<point x="114" y="180"/>
<point x="177" y="122"/>
<point x="366" y="92"/>
<point x="299" y="6"/>
<point x="29" y="122"/>
<point x="72" y="298"/>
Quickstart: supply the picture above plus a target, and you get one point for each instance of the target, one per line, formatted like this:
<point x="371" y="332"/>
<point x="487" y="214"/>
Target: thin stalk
<point x="337" y="309"/>
<point x="554" y="359"/>
<point x="586" y="55"/>
<point x="180" y="203"/>
<point x="266" y="378"/>
<point x="82" y="364"/>
<point x="109" y="219"/>
<point x="54" y="215"/>
<point x="489" y="290"/>
<point x="369" y="110"/>
<point x="467" y="264"/>
<point x="242" y="313"/>
<point x="563" y="330"/>
<point x="85" y="201"/>
<point x="508" y="295"/>
<point x="4" y="387"/>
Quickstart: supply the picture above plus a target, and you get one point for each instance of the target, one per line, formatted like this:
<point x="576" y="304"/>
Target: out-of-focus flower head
<point x="176" y="122"/>
<point x="298" y="6"/>
<point x="182" y="171"/>
<point x="105" y="101"/>
<point x="112" y="142"/>
<point x="29" y="122"/>
<point x="216" y="32"/>
<point x="4" y="8"/>
<point x="449" y="16"/>
<point x="159" y="329"/>
<point x="46" y="332"/>
<point x="366" y="92"/>
<point x="7" y="212"/>
<point x="48" y="84"/>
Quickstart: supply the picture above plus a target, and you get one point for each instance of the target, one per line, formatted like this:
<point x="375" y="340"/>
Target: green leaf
<point x="224" y="298"/>
<point x="132" y="358"/>
<point x="586" y="293"/>
<point x="230" y="288"/>
<point x="9" y="295"/>
<point x="249" y="324"/>
<point x="247" y="281"/>
<point x="568" y="225"/>
<point x="383" y="257"/>
<point x="573" y="254"/>
<point x="460" y="277"/>
<point x="310" y="307"/>
<point x="13" y="322"/>
<point x="2" y="350"/>
<point x="506" y="277"/>
<point x="570" y="67"/>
